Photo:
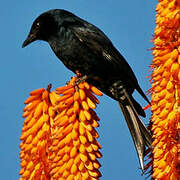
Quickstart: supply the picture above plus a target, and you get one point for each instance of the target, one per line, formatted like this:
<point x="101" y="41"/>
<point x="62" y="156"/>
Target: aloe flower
<point x="166" y="92"/>
<point x="59" y="140"/>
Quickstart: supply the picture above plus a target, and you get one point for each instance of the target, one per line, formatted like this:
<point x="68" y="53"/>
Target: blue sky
<point x="129" y="24"/>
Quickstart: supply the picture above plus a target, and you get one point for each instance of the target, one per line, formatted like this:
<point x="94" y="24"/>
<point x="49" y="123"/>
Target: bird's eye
<point x="38" y="24"/>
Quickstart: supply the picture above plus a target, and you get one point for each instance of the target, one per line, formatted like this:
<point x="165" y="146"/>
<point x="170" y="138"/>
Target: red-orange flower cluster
<point x="59" y="140"/>
<point x="36" y="136"/>
<point x="166" y="92"/>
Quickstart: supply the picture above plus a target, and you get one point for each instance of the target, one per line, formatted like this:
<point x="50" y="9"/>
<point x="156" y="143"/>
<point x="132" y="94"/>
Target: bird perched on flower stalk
<point x="86" y="50"/>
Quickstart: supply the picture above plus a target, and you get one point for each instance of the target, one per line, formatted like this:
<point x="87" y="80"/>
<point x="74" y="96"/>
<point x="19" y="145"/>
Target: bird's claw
<point x="81" y="79"/>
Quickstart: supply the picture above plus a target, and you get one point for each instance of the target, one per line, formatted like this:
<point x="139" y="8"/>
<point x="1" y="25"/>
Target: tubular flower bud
<point x="75" y="150"/>
<point x="165" y="90"/>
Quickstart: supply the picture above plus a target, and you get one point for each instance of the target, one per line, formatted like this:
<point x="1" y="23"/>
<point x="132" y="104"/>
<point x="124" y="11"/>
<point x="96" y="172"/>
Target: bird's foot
<point x="81" y="79"/>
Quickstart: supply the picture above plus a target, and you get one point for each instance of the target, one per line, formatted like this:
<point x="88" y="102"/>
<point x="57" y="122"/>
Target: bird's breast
<point x="74" y="55"/>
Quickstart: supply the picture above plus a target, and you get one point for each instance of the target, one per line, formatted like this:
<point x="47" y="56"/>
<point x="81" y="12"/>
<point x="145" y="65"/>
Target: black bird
<point x="84" y="48"/>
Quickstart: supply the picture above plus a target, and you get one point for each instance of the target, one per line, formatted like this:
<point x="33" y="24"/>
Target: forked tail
<point x="140" y="134"/>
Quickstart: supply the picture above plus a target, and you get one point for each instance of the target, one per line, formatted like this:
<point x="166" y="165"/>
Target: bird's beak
<point x="30" y="39"/>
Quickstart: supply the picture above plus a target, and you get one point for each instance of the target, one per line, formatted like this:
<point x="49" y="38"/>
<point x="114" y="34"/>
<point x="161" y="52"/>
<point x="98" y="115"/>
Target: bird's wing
<point x="98" y="42"/>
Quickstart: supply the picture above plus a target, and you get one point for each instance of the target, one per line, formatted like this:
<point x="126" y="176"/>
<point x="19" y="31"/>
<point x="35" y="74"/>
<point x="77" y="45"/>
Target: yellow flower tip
<point x="96" y="91"/>
<point x="37" y="92"/>
<point x="82" y="94"/>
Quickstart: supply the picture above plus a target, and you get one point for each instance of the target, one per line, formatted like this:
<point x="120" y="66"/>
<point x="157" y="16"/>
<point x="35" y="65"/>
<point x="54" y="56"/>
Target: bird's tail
<point x="140" y="134"/>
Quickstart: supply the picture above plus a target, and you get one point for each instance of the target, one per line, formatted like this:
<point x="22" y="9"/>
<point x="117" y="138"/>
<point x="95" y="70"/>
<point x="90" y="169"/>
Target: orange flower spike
<point x="76" y="106"/>
<point x="165" y="92"/>
<point x="76" y="96"/>
<point x="96" y="91"/>
<point x="64" y="88"/>
<point x="74" y="131"/>
<point x="31" y="98"/>
<point x="82" y="94"/>
<point x="69" y="91"/>
<point x="35" y="136"/>
<point x="54" y="97"/>
<point x="91" y="103"/>
<point x="37" y="92"/>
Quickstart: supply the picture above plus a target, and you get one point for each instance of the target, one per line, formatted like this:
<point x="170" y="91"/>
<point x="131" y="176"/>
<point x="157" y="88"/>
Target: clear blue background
<point x="129" y="24"/>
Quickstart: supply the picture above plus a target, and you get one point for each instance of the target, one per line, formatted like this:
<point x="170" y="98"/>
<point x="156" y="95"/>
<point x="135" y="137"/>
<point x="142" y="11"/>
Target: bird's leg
<point x="80" y="77"/>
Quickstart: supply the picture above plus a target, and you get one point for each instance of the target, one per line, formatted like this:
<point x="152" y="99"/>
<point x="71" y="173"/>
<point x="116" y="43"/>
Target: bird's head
<point x="42" y="28"/>
<point x="52" y="23"/>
